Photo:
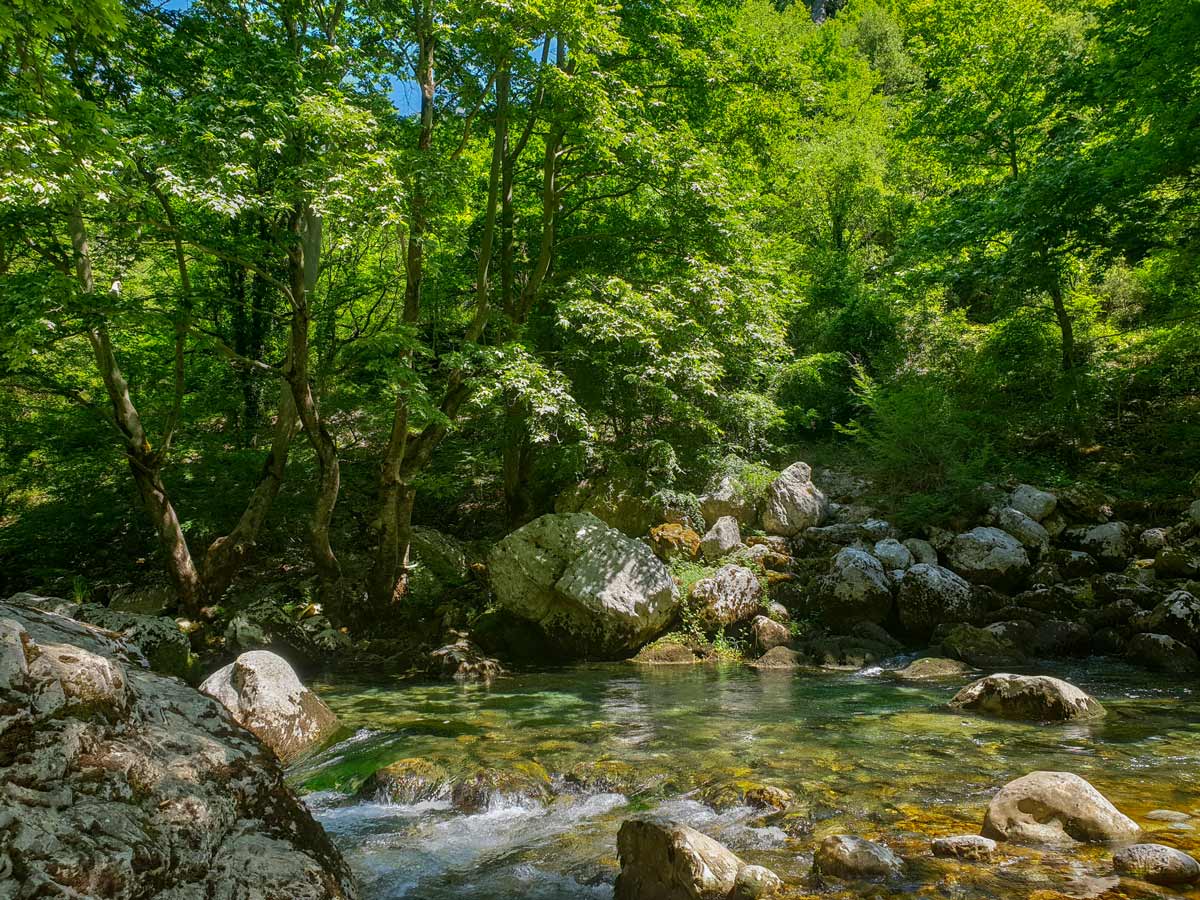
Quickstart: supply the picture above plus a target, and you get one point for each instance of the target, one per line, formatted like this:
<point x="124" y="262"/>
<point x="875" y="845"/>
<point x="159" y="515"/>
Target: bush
<point x="926" y="452"/>
<point x="815" y="393"/>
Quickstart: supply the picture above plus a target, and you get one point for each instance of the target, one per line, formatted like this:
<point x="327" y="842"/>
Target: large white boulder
<point x="793" y="502"/>
<point x="989" y="556"/>
<point x="721" y="539"/>
<point x="1055" y="808"/>
<point x="264" y="696"/>
<point x="592" y="590"/>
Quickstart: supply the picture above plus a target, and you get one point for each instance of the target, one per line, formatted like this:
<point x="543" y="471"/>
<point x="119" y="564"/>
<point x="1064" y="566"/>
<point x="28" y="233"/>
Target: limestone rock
<point x="1024" y="528"/>
<point x="755" y="882"/>
<point x="1162" y="653"/>
<point x="264" y="696"/>
<point x="855" y="590"/>
<point x="778" y="658"/>
<point x="405" y="782"/>
<point x="1054" y="807"/>
<point x="462" y="660"/>
<point x="1032" y="502"/>
<point x="1037" y="698"/>
<point x="928" y="596"/>
<point x="1178" y="615"/>
<point x="662" y="860"/>
<point x="974" y="847"/>
<point x="159" y="639"/>
<point x="726" y="499"/>
<point x="1157" y="864"/>
<point x="931" y="667"/>
<point x="989" y="556"/>
<point x="592" y="590"/>
<point x="893" y="554"/>
<point x="135" y="785"/>
<point x="666" y="653"/>
<point x="769" y="634"/>
<point x="793" y="502"/>
<point x="1111" y="544"/>
<point x="844" y="856"/>
<point x="922" y="551"/>
<point x="722" y="539"/>
<point x="731" y="595"/>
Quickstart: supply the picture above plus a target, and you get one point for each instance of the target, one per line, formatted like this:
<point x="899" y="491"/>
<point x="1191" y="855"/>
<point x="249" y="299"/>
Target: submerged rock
<point x="1037" y="698"/>
<point x="525" y="784"/>
<point x="931" y="667"/>
<point x="755" y="882"/>
<point x="406" y="781"/>
<point x="974" y="847"/>
<point x="845" y="856"/>
<point x="793" y="502"/>
<point x="263" y="695"/>
<point x="662" y="860"/>
<point x="123" y="784"/>
<point x="1157" y="864"/>
<point x="591" y="589"/>
<point x="1053" y="808"/>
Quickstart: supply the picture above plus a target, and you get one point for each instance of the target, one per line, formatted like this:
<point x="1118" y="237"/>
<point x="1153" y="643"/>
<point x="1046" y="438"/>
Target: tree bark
<point x="1065" y="326"/>
<point x="297" y="375"/>
<point x="144" y="462"/>
<point x="227" y="554"/>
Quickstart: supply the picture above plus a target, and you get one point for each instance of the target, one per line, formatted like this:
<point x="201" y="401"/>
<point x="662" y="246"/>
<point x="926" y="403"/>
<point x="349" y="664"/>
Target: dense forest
<point x="281" y="278"/>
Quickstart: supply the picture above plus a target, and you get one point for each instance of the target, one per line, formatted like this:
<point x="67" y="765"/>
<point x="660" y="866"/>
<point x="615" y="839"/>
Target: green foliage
<point x="815" y="393"/>
<point x="924" y="449"/>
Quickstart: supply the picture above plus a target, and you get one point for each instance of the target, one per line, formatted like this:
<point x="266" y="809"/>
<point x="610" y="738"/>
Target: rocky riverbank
<point x="120" y="782"/>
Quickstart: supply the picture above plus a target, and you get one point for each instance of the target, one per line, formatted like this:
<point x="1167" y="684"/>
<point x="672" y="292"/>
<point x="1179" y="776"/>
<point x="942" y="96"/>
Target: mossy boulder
<point x="406" y="781"/>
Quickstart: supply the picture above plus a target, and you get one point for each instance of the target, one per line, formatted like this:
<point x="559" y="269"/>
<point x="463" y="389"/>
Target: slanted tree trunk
<point x="227" y="554"/>
<point x="144" y="461"/>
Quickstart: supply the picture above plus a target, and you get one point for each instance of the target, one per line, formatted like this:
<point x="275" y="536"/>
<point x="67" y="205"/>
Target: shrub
<point x="815" y="393"/>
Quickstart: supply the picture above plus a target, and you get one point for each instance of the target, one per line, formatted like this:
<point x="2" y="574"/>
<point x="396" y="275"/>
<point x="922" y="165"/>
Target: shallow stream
<point x="862" y="753"/>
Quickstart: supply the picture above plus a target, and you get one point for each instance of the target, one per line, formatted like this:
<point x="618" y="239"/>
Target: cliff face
<point x="122" y="783"/>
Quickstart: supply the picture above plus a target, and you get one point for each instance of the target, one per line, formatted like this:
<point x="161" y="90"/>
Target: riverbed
<point x="860" y="753"/>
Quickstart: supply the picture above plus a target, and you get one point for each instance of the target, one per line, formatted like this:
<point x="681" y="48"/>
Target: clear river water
<point x="862" y="753"/>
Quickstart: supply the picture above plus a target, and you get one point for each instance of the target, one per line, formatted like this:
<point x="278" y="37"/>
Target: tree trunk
<point x="228" y="553"/>
<point x="144" y="463"/>
<point x="296" y="371"/>
<point x="518" y="464"/>
<point x="1064" y="326"/>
